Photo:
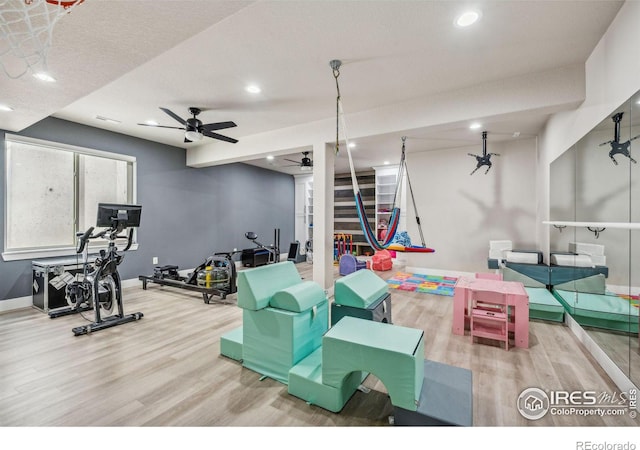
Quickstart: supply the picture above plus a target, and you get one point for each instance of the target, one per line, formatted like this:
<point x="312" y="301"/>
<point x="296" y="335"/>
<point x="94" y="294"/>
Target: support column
<point x="323" y="180"/>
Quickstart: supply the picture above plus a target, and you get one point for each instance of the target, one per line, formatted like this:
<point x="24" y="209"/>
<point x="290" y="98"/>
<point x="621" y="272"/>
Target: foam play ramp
<point x="422" y="392"/>
<point x="354" y="347"/>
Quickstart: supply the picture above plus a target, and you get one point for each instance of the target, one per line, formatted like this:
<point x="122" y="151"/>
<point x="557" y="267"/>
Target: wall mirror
<point x="597" y="181"/>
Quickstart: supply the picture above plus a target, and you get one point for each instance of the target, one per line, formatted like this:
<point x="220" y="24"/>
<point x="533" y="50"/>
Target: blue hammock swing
<point x="369" y="233"/>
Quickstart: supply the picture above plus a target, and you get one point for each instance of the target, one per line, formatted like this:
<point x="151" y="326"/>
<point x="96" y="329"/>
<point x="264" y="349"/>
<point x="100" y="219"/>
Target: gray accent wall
<point x="187" y="213"/>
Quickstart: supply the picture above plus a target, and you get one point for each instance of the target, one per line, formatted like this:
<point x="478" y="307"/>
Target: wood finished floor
<point x="166" y="370"/>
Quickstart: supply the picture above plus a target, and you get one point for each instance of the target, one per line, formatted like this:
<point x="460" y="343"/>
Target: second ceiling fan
<point x="305" y="163"/>
<point x="195" y="129"/>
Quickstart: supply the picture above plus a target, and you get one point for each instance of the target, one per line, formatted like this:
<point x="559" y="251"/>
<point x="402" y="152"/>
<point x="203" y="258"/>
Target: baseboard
<point x="15" y="303"/>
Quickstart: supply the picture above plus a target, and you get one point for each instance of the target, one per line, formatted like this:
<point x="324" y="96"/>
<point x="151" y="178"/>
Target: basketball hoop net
<point x="26" y="30"/>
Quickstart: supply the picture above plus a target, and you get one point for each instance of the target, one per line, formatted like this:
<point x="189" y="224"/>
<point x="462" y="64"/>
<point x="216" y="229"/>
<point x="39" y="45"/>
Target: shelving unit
<point x="345" y="215"/>
<point x="303" y="208"/>
<point x="309" y="210"/>
<point x="386" y="184"/>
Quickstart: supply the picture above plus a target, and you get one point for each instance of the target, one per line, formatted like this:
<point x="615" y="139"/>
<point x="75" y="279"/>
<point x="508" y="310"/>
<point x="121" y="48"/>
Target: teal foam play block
<point x="359" y="289"/>
<point x="298" y="297"/>
<point x="394" y="354"/>
<point x="378" y="311"/>
<point x="231" y="344"/>
<point x="305" y="382"/>
<point x="544" y="306"/>
<point x="256" y="286"/>
<point x="274" y="340"/>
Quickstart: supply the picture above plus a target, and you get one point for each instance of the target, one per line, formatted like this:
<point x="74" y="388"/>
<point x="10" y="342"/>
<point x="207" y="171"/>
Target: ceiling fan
<point x="305" y="164"/>
<point x="195" y="129"/>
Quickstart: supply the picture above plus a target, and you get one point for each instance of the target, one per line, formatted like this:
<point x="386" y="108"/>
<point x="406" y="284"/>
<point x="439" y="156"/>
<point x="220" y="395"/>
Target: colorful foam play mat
<point x="428" y="284"/>
<point x="634" y="300"/>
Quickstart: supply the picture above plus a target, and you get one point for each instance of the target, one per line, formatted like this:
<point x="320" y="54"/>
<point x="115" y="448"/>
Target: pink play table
<point x="517" y="299"/>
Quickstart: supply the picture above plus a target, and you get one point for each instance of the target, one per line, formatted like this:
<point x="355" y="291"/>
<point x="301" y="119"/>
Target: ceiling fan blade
<point x="174" y="115"/>
<point x="219" y="136"/>
<point x="291" y="160"/>
<point x="160" y="126"/>
<point x="218" y="126"/>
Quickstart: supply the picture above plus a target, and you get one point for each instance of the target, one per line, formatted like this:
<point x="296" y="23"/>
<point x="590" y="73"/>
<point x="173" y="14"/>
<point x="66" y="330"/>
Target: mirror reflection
<point x="596" y="266"/>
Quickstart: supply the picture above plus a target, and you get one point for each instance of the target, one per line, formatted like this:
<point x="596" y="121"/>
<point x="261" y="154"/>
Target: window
<point x="52" y="192"/>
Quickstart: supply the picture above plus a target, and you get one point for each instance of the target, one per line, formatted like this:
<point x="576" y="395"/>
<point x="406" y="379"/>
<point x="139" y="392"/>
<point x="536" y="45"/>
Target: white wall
<point x="460" y="213"/>
<point x="612" y="76"/>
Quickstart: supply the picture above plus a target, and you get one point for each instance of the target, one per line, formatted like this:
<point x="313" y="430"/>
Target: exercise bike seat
<point x="251" y="235"/>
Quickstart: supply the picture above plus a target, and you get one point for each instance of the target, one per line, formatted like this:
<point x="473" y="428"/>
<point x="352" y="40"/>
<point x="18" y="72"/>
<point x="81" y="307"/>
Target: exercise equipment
<point x="100" y="288"/>
<point x="214" y="277"/>
<point x="262" y="254"/>
<point x="394" y="220"/>
<point x="294" y="253"/>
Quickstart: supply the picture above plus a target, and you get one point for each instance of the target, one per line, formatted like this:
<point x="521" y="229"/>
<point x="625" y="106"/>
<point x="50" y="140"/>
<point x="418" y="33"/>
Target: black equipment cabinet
<point x="50" y="279"/>
<point x="254" y="257"/>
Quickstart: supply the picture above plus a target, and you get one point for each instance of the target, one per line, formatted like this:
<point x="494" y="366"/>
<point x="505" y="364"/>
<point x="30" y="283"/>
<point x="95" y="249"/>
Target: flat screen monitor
<point x="118" y="215"/>
<point x="294" y="249"/>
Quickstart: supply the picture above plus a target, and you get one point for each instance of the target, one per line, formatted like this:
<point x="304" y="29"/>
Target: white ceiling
<point x="126" y="59"/>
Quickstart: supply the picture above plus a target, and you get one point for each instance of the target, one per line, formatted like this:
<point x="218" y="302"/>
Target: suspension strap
<point x="335" y="66"/>
<point x="413" y="200"/>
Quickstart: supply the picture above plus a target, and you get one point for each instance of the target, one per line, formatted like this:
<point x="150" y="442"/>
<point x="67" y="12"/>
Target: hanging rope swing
<point x="392" y="227"/>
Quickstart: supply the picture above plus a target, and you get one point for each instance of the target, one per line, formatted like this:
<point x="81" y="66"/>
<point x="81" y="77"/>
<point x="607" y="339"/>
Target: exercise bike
<point x="100" y="288"/>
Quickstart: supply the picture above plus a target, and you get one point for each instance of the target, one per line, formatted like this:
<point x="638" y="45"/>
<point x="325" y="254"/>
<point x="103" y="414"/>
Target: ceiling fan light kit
<point x="194" y="129"/>
<point x="192" y="135"/>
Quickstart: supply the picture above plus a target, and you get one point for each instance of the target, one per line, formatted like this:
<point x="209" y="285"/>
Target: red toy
<point x="381" y="260"/>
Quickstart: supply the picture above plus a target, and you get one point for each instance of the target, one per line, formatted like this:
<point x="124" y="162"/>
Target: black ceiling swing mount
<point x="485" y="158"/>
<point x="194" y="128"/>
<point x="617" y="147"/>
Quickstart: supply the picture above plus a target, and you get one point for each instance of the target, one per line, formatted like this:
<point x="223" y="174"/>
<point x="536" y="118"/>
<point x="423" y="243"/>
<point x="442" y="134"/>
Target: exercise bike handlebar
<point x="85" y="237"/>
<point x="129" y="240"/>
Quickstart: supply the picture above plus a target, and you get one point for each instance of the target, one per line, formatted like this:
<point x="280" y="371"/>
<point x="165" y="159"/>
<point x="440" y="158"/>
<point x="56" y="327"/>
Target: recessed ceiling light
<point x="6" y="108"/>
<point x="475" y="126"/>
<point x="467" y="18"/>
<point x="153" y="123"/>
<point x="43" y="76"/>
<point x="386" y="163"/>
<point x="352" y="144"/>
<point x="253" y="89"/>
<point x="270" y="157"/>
